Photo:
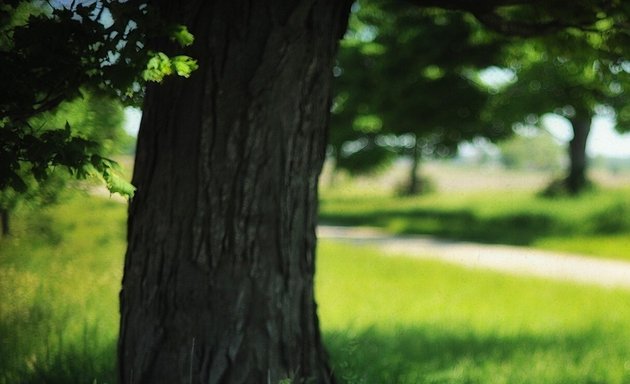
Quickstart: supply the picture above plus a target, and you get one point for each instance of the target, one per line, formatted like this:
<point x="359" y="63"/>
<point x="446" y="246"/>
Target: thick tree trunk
<point x="4" y="219"/>
<point x="218" y="280"/>
<point x="415" y="183"/>
<point x="576" y="180"/>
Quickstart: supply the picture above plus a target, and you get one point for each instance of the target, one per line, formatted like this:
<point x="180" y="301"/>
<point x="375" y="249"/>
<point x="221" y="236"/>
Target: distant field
<point x="384" y="319"/>
<point x="596" y="223"/>
<point x="449" y="176"/>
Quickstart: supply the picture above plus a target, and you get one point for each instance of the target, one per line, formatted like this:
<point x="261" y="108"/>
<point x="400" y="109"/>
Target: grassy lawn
<point x="399" y="320"/>
<point x="59" y="280"/>
<point x="596" y="223"/>
<point x="384" y="319"/>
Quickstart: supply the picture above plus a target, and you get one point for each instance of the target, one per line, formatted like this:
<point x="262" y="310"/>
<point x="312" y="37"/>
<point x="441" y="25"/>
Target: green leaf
<point x="604" y="24"/>
<point x="160" y="65"/>
<point x="184" y="65"/>
<point x="116" y="184"/>
<point x="368" y="124"/>
<point x="181" y="35"/>
<point x="373" y="49"/>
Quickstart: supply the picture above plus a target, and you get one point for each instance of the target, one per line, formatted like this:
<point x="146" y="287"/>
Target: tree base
<point x="423" y="186"/>
<point x="566" y="187"/>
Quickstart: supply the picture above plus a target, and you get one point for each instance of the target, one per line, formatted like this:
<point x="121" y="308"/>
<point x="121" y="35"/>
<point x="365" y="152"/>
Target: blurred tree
<point x="354" y="124"/>
<point x="567" y="76"/>
<point x="533" y="150"/>
<point x="431" y="101"/>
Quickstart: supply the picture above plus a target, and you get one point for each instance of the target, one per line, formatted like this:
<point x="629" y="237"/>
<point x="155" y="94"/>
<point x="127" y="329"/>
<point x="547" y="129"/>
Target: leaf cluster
<point x="51" y="51"/>
<point x="413" y="71"/>
<point x="564" y="75"/>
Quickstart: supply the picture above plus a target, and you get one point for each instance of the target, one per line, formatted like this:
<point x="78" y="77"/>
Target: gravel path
<point x="503" y="258"/>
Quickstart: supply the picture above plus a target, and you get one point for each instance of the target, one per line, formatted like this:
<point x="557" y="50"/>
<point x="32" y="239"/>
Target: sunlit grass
<point x="567" y="224"/>
<point x="612" y="246"/>
<point x="403" y="320"/>
<point x="384" y="319"/>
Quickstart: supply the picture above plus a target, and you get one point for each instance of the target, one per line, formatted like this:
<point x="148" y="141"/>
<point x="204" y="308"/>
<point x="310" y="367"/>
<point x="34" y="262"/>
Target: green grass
<point x="399" y="320"/>
<point x="59" y="280"/>
<point x="596" y="223"/>
<point x="384" y="319"/>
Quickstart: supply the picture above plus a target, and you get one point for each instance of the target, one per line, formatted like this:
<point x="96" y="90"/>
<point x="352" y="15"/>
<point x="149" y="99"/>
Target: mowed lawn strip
<point x="596" y="223"/>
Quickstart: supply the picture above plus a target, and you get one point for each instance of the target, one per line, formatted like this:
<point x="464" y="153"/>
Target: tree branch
<point x="516" y="28"/>
<point x="486" y="12"/>
<point x="474" y="6"/>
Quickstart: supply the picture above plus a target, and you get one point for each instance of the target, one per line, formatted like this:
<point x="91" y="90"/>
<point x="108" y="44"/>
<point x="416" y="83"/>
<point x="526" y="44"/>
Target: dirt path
<point x="503" y="258"/>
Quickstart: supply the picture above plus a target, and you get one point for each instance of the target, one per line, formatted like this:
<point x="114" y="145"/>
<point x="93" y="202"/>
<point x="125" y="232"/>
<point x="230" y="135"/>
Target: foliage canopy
<point x="50" y="53"/>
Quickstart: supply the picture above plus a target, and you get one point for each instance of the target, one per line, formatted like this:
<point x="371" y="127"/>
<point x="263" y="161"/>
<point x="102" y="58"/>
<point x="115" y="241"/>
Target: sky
<point x="604" y="139"/>
<point x="132" y="120"/>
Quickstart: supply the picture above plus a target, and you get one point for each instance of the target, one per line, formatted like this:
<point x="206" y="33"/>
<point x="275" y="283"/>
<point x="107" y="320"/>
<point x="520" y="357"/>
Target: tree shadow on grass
<point x="511" y="228"/>
<point x="433" y="355"/>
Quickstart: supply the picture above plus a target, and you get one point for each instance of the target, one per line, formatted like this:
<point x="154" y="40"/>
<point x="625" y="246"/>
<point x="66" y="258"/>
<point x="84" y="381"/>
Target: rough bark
<point x="218" y="278"/>
<point x="576" y="180"/>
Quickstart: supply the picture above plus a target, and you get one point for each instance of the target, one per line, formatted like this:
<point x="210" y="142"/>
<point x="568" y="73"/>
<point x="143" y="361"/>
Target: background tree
<point x="565" y="76"/>
<point x="430" y="101"/>
<point x="533" y="150"/>
<point x="354" y="123"/>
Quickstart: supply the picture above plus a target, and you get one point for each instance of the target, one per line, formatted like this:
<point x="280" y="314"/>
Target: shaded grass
<point x="59" y="278"/>
<point x="426" y="355"/>
<point x="518" y="218"/>
<point x="398" y="320"/>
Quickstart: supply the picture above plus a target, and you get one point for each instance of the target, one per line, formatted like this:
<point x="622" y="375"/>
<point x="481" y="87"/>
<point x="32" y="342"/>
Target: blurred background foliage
<point x="94" y="118"/>
<point x="391" y="101"/>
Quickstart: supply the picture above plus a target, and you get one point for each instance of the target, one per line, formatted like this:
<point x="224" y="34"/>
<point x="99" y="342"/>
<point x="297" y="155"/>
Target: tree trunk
<point x="415" y="184"/>
<point x="576" y="180"/>
<point x="4" y="218"/>
<point x="218" y="277"/>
